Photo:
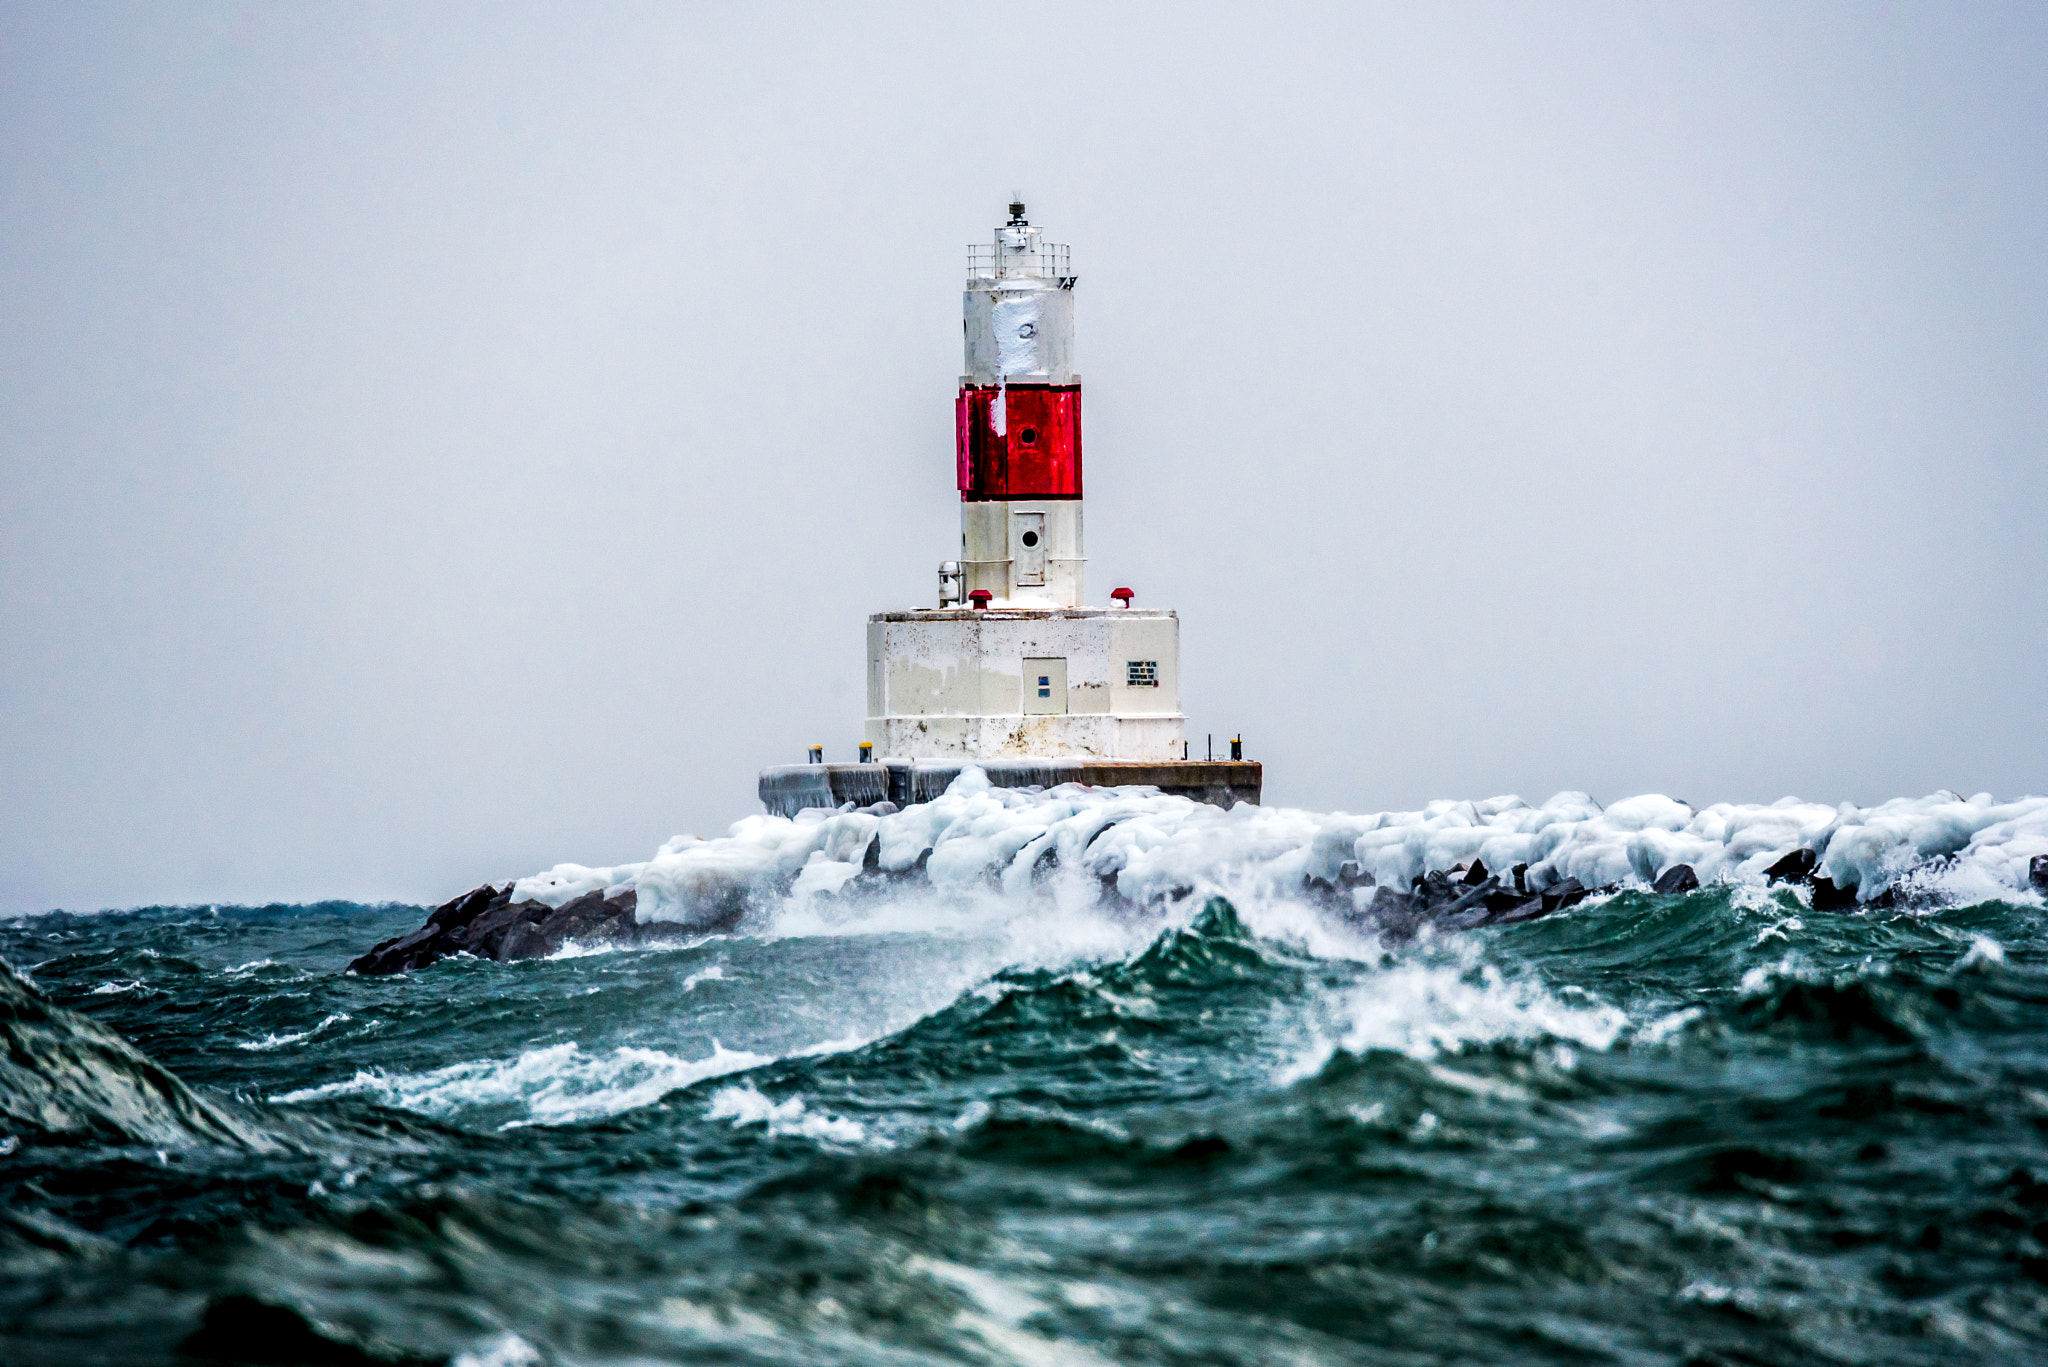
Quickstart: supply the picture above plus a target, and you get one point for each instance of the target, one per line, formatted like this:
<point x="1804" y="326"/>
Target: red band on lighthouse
<point x="1037" y="455"/>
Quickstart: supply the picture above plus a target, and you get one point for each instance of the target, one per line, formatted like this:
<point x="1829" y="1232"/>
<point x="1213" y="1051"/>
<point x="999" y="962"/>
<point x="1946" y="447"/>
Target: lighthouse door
<point x="1045" y="686"/>
<point x="1027" y="546"/>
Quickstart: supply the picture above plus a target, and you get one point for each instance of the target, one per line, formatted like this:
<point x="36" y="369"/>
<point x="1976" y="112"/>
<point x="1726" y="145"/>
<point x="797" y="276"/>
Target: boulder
<point x="1829" y="895"/>
<point x="1568" y="893"/>
<point x="2037" y="872"/>
<point x="1796" y="867"/>
<point x="1678" y="878"/>
<point x="487" y="923"/>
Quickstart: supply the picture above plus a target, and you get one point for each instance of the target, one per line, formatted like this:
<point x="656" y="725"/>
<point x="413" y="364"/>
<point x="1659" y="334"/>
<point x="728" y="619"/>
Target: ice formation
<point x="1149" y="845"/>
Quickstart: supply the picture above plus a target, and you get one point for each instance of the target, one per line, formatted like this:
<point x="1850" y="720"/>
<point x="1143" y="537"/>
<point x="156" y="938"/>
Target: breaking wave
<point x="557" y="1085"/>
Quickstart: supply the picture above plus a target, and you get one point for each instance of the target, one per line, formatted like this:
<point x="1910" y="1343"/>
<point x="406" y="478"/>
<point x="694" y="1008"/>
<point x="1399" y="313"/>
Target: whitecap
<point x="559" y="1084"/>
<point x="269" y="1042"/>
<point x="744" y="1105"/>
<point x="1427" y="1010"/>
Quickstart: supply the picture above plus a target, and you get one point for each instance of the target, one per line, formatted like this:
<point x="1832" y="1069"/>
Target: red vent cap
<point x="980" y="598"/>
<point x="1122" y="596"/>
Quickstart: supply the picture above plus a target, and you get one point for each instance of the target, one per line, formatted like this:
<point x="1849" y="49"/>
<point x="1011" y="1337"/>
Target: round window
<point x="1029" y="436"/>
<point x="1029" y="539"/>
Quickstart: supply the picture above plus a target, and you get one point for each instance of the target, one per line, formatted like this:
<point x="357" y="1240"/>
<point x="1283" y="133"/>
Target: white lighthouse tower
<point x="1012" y="663"/>
<point x="1012" y="671"/>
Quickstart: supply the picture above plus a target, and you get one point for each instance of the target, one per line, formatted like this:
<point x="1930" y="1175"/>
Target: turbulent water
<point x="978" y="1122"/>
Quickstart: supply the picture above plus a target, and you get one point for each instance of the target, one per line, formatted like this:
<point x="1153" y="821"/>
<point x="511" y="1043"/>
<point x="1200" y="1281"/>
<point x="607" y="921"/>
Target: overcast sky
<point x="439" y="441"/>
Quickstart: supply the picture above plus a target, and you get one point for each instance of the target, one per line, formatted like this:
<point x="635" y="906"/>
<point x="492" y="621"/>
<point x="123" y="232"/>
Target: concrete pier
<point x="787" y="789"/>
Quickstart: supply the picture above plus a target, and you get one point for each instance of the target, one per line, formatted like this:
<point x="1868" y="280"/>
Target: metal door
<point x="1045" y="686"/>
<point x="1027" y="546"/>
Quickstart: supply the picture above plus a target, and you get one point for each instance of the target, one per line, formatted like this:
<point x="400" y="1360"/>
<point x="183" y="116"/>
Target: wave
<point x="556" y="1085"/>
<point x="743" y="1105"/>
<point x="66" y="1078"/>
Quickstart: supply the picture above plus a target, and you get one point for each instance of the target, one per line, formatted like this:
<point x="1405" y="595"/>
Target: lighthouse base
<point x="787" y="789"/>
<point x="1019" y="737"/>
<point x="1015" y="681"/>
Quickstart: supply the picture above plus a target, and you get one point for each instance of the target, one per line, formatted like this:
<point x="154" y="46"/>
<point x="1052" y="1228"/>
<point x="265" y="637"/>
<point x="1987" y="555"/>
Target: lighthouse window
<point x="1029" y="436"/>
<point x="1029" y="538"/>
<point x="1045" y="685"/>
<point x="1141" y="673"/>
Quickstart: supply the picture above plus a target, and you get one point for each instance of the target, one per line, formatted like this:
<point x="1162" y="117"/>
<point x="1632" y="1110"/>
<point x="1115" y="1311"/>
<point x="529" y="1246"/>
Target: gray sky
<point x="440" y="441"/>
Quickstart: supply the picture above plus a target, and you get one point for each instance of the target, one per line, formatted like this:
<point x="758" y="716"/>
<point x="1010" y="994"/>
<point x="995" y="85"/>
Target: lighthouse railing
<point x="1049" y="261"/>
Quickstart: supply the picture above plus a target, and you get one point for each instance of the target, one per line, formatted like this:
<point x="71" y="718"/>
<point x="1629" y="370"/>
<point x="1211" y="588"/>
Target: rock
<point x="1476" y="875"/>
<point x="1337" y="895"/>
<point x="1827" y="896"/>
<point x="1568" y="893"/>
<point x="1796" y="867"/>
<point x="1434" y="890"/>
<point x="490" y="925"/>
<point x="2037" y="872"/>
<point x="1469" y="908"/>
<point x="1442" y="903"/>
<point x="1678" y="878"/>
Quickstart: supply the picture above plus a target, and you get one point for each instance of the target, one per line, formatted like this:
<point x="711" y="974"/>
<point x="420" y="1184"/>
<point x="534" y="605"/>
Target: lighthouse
<point x="1017" y="423"/>
<point x="1012" y="670"/>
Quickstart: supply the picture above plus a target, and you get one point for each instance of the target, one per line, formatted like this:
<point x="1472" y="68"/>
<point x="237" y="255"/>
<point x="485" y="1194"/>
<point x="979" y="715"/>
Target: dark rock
<point x="445" y="933"/>
<point x="1678" y="878"/>
<point x="1469" y="909"/>
<point x="1394" y="916"/>
<point x="1476" y="875"/>
<point x="1827" y="896"/>
<point x="490" y="925"/>
<point x="1799" y="867"/>
<point x="1796" y="867"/>
<point x="1337" y="893"/>
<point x="1521" y="872"/>
<point x="1568" y="893"/>
<point x="2037" y="872"/>
<point x="1526" y="909"/>
<point x="1434" y="890"/>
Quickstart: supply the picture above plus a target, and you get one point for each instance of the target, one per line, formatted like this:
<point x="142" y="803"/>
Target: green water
<point x="1716" y="1127"/>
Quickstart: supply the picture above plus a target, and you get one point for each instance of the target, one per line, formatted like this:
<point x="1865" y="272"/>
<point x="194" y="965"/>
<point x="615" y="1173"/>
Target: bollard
<point x="1237" y="747"/>
<point x="817" y="754"/>
<point x="867" y="752"/>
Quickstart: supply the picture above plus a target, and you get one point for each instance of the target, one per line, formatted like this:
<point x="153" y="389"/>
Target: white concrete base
<point x="1148" y="739"/>
<point x="962" y="684"/>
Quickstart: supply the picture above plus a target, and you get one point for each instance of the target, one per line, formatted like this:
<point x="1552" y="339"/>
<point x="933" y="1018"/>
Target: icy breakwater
<point x="1453" y="864"/>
